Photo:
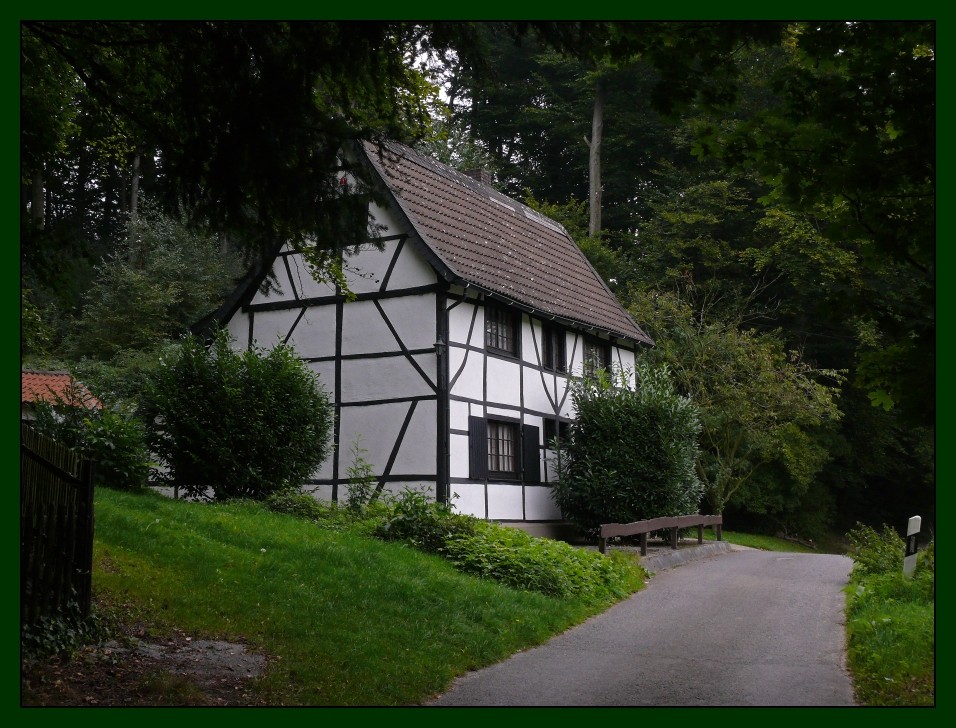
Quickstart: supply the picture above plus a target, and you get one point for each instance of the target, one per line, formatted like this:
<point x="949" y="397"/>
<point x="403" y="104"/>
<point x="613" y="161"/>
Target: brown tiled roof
<point x="488" y="240"/>
<point x="47" y="386"/>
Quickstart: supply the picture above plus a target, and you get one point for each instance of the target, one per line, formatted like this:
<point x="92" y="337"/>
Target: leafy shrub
<point x="423" y="523"/>
<point x="246" y="424"/>
<point x="875" y="552"/>
<point x="64" y="633"/>
<point x="361" y="477"/>
<point x="116" y="440"/>
<point x="630" y="453"/>
<point x="296" y="503"/>
<point x="554" y="568"/>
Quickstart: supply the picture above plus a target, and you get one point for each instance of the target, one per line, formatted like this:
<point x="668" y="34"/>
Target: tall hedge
<point x="630" y="453"/>
<point x="245" y="424"/>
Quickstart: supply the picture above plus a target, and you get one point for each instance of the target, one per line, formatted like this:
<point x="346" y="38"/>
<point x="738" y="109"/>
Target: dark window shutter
<point x="531" y="454"/>
<point x="477" y="448"/>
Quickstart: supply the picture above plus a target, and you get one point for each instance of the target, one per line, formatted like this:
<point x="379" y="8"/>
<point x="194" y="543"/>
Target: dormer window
<point x="501" y="329"/>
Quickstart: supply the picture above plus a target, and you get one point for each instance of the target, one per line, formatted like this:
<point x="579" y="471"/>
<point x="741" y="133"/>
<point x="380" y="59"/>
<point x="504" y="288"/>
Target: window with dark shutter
<point x="503" y="452"/>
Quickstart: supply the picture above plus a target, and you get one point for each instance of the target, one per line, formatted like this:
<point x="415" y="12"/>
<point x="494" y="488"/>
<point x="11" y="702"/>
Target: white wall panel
<point x="410" y="269"/>
<point x="459" y="323"/>
<point x="322" y="493"/>
<point x="365" y="270"/>
<point x="459" y="464"/>
<point x="364" y="330"/>
<point x="271" y="327"/>
<point x="505" y="502"/>
<point x="469" y="383"/>
<point x="539" y="505"/>
<point x="536" y="391"/>
<point x="413" y="318"/>
<point x="458" y="415"/>
<point x="378" y="426"/>
<point x="419" y="451"/>
<point x="326" y="372"/>
<point x="314" y="335"/>
<point x="469" y="498"/>
<point x="371" y="379"/>
<point x="238" y="328"/>
<point x="504" y="380"/>
<point x="307" y="286"/>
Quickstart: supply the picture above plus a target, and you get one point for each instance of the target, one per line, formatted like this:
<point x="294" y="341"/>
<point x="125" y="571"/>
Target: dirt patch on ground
<point x="132" y="671"/>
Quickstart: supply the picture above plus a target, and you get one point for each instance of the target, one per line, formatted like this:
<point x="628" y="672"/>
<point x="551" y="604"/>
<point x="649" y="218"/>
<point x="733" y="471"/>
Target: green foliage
<point x="891" y="620"/>
<point x="296" y="503"/>
<point x="631" y="451"/>
<point x="154" y="285"/>
<point x="875" y="552"/>
<point x="361" y="478"/>
<point x="115" y="439"/>
<point x="64" y="633"/>
<point x="423" y="523"/>
<point x="245" y="424"/>
<point x="554" y="568"/>
<point x="761" y="406"/>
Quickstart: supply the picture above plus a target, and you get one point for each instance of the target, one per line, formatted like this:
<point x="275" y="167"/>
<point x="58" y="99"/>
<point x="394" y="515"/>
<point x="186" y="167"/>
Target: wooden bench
<point x="674" y="523"/>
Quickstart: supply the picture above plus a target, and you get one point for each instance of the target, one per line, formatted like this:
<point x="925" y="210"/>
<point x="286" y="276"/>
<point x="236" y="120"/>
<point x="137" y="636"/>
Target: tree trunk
<point x="594" y="166"/>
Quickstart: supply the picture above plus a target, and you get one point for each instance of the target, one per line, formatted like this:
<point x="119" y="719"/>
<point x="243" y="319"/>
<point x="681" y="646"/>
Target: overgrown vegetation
<point x="891" y="620"/>
<point x="243" y="424"/>
<point x="114" y="438"/>
<point x="631" y="451"/>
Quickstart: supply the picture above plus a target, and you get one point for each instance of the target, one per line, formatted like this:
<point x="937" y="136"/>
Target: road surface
<point x="744" y="628"/>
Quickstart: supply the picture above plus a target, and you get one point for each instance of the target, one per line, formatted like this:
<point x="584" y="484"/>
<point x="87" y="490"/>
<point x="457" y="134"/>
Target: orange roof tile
<point x="48" y="386"/>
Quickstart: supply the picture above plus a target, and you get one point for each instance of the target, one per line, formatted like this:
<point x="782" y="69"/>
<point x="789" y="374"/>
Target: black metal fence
<point x="56" y="527"/>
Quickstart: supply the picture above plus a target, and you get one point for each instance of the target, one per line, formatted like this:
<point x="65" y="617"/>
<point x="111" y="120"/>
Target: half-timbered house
<point x="451" y="365"/>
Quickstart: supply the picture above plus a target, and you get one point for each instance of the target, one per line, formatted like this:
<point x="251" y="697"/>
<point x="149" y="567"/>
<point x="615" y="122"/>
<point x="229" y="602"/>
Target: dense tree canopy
<point x="783" y="170"/>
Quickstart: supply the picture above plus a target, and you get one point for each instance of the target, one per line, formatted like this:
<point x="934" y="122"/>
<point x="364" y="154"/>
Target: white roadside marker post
<point x="912" y="531"/>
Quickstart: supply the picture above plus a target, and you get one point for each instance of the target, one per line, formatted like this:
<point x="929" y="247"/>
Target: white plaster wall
<point x="530" y="340"/>
<point x="413" y="318"/>
<point x="539" y="505"/>
<point x="459" y="324"/>
<point x="458" y="415"/>
<point x="314" y="335"/>
<point x="469" y="498"/>
<point x="364" y="331"/>
<point x="419" y="451"/>
<point x="321" y="493"/>
<point x="378" y="427"/>
<point x="364" y="269"/>
<point x="384" y="216"/>
<point x="371" y="379"/>
<point x="326" y="372"/>
<point x="458" y="456"/>
<point x="410" y="269"/>
<point x="270" y="327"/>
<point x="238" y="328"/>
<point x="307" y="286"/>
<point x="537" y="393"/>
<point x="470" y="382"/>
<point x="503" y="381"/>
<point x="505" y="502"/>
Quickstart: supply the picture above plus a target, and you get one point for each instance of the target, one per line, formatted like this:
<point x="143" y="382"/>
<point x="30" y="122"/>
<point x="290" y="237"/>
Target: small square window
<point x="555" y="429"/>
<point x="501" y="329"/>
<point x="553" y="349"/>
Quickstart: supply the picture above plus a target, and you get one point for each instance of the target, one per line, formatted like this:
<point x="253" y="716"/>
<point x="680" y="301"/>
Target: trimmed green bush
<point x="245" y="424"/>
<point x="554" y="568"/>
<point x="631" y="452"/>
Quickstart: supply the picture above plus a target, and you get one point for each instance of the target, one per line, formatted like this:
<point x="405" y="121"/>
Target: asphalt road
<point x="744" y="628"/>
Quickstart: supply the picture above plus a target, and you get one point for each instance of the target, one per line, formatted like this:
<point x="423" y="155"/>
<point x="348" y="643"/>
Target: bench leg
<point x="643" y="544"/>
<point x="674" y="537"/>
<point x="700" y="534"/>
<point x="602" y="546"/>
<point x="720" y="532"/>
